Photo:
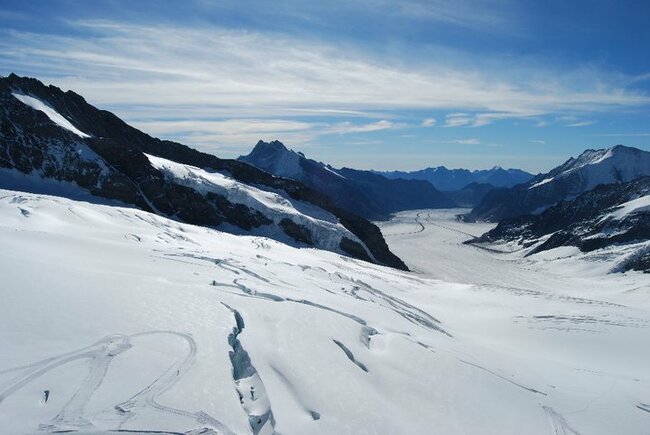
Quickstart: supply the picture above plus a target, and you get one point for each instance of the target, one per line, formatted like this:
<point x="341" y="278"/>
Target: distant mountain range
<point x="618" y="164"/>
<point x="54" y="142"/>
<point x="456" y="179"/>
<point x="607" y="215"/>
<point x="361" y="192"/>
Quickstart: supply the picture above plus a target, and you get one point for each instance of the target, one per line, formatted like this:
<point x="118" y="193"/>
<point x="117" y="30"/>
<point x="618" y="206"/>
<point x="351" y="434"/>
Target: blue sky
<point x="367" y="83"/>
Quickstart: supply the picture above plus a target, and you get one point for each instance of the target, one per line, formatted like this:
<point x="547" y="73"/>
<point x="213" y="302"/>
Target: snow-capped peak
<point x="603" y="166"/>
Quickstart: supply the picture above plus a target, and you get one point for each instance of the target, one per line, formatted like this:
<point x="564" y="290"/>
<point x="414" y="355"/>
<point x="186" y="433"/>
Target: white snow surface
<point x="325" y="228"/>
<point x="54" y="116"/>
<point x="117" y="319"/>
<point x="637" y="205"/>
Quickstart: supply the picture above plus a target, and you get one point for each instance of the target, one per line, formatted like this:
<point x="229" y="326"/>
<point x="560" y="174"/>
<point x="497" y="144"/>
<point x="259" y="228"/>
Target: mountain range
<point x="361" y="192"/>
<point x="618" y="164"/>
<point x="54" y="141"/>
<point x="457" y="179"/>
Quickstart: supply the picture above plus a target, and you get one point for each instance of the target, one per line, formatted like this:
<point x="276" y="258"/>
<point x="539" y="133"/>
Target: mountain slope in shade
<point x="618" y="164"/>
<point x="471" y="194"/>
<point x="608" y="215"/>
<point x="55" y="142"/>
<point x="457" y="179"/>
<point x="360" y="192"/>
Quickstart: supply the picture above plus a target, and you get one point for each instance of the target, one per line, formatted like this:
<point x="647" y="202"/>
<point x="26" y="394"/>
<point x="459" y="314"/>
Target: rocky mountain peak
<point x="273" y="146"/>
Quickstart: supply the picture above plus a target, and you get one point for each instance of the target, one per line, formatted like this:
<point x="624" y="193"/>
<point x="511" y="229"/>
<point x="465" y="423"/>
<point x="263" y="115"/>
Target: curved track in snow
<point x="100" y="356"/>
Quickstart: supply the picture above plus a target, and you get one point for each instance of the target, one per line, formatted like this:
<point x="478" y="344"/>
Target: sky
<point x="370" y="84"/>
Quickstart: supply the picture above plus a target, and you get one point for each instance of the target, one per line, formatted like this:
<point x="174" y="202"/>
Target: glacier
<point x="114" y="319"/>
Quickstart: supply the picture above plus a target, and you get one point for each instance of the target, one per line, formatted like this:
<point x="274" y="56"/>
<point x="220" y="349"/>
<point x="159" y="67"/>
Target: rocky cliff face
<point x="360" y="192"/>
<point x="57" y="137"/>
<point x="618" y="164"/>
<point x="609" y="215"/>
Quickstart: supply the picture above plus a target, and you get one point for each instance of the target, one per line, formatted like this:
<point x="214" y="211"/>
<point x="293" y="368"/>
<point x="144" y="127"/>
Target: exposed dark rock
<point x="640" y="263"/>
<point x="296" y="231"/>
<point x="354" y="249"/>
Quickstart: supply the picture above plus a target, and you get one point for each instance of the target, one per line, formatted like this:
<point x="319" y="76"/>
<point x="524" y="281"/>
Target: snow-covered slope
<point x="320" y="228"/>
<point x="116" y="319"/>
<point x="618" y="164"/>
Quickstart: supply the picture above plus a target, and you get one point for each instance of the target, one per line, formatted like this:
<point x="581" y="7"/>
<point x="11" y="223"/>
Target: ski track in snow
<point x="100" y="355"/>
<point x="400" y="307"/>
<point x="559" y="423"/>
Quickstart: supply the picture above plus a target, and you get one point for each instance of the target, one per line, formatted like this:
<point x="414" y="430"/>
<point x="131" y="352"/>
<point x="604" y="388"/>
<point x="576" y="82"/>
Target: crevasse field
<point x="117" y="320"/>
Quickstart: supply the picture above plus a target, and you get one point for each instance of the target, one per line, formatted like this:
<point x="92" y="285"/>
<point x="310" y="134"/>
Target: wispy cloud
<point x="348" y="127"/>
<point x="481" y="119"/>
<point x="128" y="64"/>
<point x="471" y="141"/>
<point x="150" y="74"/>
<point x="581" y="124"/>
<point x="468" y="141"/>
<point x="241" y="133"/>
<point x="490" y="16"/>
<point x="429" y="122"/>
<point x="230" y="126"/>
<point x="457" y="120"/>
<point x="620" y="135"/>
<point x="538" y="141"/>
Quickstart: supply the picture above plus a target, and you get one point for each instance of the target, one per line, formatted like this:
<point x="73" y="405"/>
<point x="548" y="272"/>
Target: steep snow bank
<point x="54" y="116"/>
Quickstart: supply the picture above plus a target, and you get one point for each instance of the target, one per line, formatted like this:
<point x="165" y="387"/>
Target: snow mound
<point x="54" y="116"/>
